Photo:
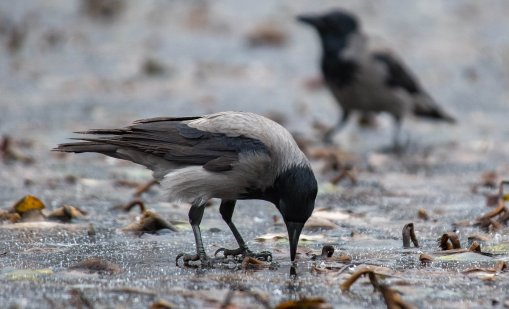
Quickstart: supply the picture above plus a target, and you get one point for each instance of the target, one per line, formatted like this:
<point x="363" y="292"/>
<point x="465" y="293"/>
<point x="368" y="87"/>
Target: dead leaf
<point x="409" y="234"/>
<point x="449" y="241"/>
<point x="162" y="304"/>
<point x="250" y="262"/>
<point x="150" y="222"/>
<point x="319" y="223"/>
<point x="66" y="213"/>
<point x="422" y="214"/>
<point x="97" y="265"/>
<point x="28" y="203"/>
<point x="305" y="303"/>
<point x="425" y="258"/>
<point x="267" y="34"/>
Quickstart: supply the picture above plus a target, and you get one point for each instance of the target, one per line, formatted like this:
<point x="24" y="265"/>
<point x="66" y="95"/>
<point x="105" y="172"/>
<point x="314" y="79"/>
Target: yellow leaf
<point x="28" y="274"/>
<point x="27" y="203"/>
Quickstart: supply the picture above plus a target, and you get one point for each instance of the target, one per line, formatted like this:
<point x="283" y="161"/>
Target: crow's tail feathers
<point x="428" y="109"/>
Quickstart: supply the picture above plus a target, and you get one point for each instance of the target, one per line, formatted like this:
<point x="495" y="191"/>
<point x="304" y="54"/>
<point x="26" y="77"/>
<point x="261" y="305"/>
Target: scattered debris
<point x="134" y="290"/>
<point x="488" y="274"/>
<point x="478" y="238"/>
<point x="9" y="216"/>
<point x="257" y="296"/>
<point x="392" y="299"/>
<point x="327" y="252"/>
<point x="27" y="209"/>
<point x="162" y="304"/>
<point x="409" y="234"/>
<point x="28" y="203"/>
<point x="150" y="222"/>
<point x="103" y="9"/>
<point x="253" y="263"/>
<point x="422" y="214"/>
<point x="153" y="67"/>
<point x="16" y="37"/>
<point x="267" y="34"/>
<point x="425" y="258"/>
<point x="305" y="303"/>
<point x="127" y="207"/>
<point x="319" y="223"/>
<point x="27" y="274"/>
<point x="97" y="265"/>
<point x="66" y="213"/>
<point x="91" y="231"/>
<point x="450" y="241"/>
<point x="347" y="172"/>
<point x="327" y="255"/>
<point x="9" y="153"/>
<point x="488" y="221"/>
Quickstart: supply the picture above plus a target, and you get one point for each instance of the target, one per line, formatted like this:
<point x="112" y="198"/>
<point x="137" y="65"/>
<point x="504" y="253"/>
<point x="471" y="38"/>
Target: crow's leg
<point x="397" y="145"/>
<point x="226" y="210"/>
<point x="195" y="216"/>
<point x="327" y="138"/>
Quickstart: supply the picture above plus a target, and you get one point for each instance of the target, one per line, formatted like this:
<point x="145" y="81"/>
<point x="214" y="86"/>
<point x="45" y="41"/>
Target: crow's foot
<point x="205" y="261"/>
<point x="241" y="253"/>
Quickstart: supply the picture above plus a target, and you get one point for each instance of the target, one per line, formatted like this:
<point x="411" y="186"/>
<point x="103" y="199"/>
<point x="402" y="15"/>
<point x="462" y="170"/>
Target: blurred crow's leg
<point x="195" y="216"/>
<point x="327" y="139"/>
<point x="226" y="210"/>
<point x="397" y="145"/>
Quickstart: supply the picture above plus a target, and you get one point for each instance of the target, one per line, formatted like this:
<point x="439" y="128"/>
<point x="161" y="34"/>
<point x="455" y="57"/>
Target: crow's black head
<point x="297" y="190"/>
<point x="338" y="23"/>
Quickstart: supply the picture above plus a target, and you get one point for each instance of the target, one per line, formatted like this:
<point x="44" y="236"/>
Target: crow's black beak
<point x="294" y="229"/>
<point x="308" y="19"/>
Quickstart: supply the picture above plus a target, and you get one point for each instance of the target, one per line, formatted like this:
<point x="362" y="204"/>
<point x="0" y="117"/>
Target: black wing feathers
<point x="171" y="139"/>
<point x="398" y="75"/>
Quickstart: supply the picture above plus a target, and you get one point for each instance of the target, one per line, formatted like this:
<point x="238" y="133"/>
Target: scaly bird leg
<point x="195" y="216"/>
<point x="327" y="139"/>
<point x="226" y="210"/>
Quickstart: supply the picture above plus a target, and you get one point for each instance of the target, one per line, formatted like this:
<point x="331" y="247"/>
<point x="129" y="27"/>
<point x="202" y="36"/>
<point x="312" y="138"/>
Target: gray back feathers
<point x="218" y="155"/>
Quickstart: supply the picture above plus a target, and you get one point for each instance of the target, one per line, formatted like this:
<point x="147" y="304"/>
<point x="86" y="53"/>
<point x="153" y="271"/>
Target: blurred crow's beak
<point x="308" y="19"/>
<point x="294" y="229"/>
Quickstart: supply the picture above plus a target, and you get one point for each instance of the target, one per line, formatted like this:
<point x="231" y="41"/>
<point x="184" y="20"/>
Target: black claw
<point x="188" y="258"/>
<point x="264" y="255"/>
<point x="177" y="259"/>
<point x="220" y="250"/>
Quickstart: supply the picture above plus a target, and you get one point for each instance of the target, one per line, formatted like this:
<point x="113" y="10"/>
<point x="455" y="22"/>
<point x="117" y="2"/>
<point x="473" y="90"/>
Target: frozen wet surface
<point x="72" y="72"/>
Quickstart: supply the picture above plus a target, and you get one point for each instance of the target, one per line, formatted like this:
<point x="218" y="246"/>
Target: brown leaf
<point x="422" y="214"/>
<point x="97" y="265"/>
<point x="66" y="213"/>
<point x="161" y="304"/>
<point x="267" y="34"/>
<point x="449" y="241"/>
<point x="150" y="222"/>
<point x="425" y="258"/>
<point x="408" y="234"/>
<point x="250" y="262"/>
<point x="304" y="303"/>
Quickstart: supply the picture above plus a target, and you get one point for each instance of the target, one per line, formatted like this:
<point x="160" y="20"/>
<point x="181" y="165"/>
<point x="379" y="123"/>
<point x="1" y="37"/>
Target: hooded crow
<point x="229" y="155"/>
<point x="366" y="81"/>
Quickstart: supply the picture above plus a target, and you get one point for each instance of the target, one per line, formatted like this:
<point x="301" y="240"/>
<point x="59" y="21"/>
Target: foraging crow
<point x="230" y="155"/>
<point x="367" y="81"/>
